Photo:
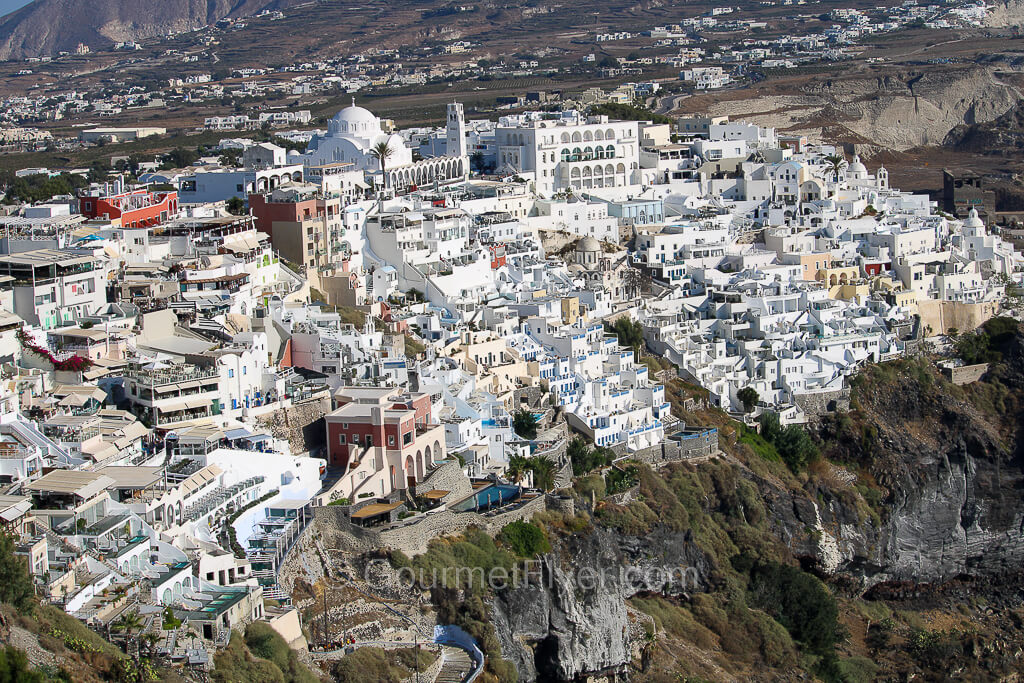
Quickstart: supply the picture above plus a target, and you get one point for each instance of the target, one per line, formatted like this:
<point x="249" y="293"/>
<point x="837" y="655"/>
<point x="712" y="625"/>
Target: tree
<point x="770" y="427"/>
<point x="14" y="667"/>
<point x="749" y="397"/>
<point x="229" y="157"/>
<point x="99" y="171"/>
<point x="543" y="469"/>
<point x="635" y="281"/>
<point x="836" y="163"/>
<point x="524" y="423"/>
<point x="129" y="623"/>
<point x="382" y="152"/>
<point x="585" y="459"/>
<point x="15" y="583"/>
<point x="517" y="468"/>
<point x="629" y="333"/>
<point x="236" y="206"/>
<point x="476" y="161"/>
<point x="179" y="158"/>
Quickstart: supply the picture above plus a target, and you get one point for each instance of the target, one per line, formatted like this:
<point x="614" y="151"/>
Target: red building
<point x="304" y="227"/>
<point x="497" y="256"/>
<point x="386" y="421"/>
<point x="136" y="209"/>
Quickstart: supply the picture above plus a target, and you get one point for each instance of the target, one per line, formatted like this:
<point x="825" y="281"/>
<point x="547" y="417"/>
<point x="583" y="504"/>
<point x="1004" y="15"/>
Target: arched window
<point x="609" y="151"/>
<point x="609" y="134"/>
<point x="565" y="155"/>
<point x="588" y="136"/>
<point x="588" y="153"/>
<point x="598" y="135"/>
<point x="565" y="137"/>
<point x="576" y="137"/>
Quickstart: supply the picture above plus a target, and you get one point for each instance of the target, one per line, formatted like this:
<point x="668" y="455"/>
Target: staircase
<point x="455" y="667"/>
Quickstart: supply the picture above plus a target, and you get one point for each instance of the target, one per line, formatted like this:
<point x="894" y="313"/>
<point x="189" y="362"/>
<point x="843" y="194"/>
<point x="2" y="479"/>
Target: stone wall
<point x="965" y="374"/>
<point x="448" y="477"/>
<point x="942" y="315"/>
<point x="301" y="425"/>
<point x="685" y="446"/>
<point x="413" y="537"/>
<point x="533" y="396"/>
<point x="818" y="403"/>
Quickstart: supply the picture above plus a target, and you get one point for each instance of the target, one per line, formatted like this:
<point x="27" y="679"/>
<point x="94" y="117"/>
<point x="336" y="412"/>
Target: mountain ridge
<point x="47" y="27"/>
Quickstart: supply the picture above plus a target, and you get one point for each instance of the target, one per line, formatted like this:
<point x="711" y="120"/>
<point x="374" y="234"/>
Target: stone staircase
<point x="456" y="666"/>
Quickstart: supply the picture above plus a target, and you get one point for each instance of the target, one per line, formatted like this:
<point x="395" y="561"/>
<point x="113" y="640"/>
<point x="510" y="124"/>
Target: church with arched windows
<point x="354" y="133"/>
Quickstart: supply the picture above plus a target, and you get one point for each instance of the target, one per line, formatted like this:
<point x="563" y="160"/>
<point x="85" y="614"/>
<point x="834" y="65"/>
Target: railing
<point x="171" y="375"/>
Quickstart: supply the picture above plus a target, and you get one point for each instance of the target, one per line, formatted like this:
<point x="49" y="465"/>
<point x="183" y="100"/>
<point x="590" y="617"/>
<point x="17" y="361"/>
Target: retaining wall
<point x="413" y="537"/>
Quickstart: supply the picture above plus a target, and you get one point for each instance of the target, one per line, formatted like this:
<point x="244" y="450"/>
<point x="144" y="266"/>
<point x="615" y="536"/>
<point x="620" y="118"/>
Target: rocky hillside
<point x="45" y="27"/>
<point x="888" y="109"/>
<point x="894" y="553"/>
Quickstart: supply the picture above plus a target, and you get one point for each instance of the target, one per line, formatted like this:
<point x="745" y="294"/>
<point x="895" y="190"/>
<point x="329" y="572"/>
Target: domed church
<point x="351" y="137"/>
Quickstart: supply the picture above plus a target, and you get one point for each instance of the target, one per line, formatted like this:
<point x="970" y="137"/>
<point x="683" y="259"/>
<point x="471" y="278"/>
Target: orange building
<point x="136" y="209"/>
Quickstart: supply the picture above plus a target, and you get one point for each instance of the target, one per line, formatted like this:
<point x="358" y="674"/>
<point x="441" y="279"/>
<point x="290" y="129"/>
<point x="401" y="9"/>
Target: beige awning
<point x="374" y="509"/>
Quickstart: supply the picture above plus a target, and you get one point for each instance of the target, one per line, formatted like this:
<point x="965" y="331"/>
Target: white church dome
<point x="973" y="220"/>
<point x="857" y="167"/>
<point x="355" y="121"/>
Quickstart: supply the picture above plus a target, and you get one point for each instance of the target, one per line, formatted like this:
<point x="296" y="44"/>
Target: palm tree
<point x="543" y="473"/>
<point x="836" y="164"/>
<point x="517" y="468"/>
<point x="150" y="638"/>
<point x="128" y="624"/>
<point x="382" y="152"/>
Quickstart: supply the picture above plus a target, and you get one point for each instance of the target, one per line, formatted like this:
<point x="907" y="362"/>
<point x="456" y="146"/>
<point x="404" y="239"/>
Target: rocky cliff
<point x="919" y="488"/>
<point x="889" y="109"/>
<point x="45" y="27"/>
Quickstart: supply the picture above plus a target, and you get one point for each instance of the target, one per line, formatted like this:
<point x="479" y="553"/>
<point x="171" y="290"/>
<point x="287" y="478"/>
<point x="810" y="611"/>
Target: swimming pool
<point x="487" y="498"/>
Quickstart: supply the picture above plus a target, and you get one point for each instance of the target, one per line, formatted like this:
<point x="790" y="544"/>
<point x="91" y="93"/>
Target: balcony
<point x="172" y="375"/>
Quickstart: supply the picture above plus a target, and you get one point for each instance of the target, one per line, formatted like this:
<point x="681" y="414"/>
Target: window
<point x="341" y="439"/>
<point x="391" y="439"/>
<point x="231" y="372"/>
<point x="407" y="438"/>
<point x="355" y="438"/>
<point x="245" y="369"/>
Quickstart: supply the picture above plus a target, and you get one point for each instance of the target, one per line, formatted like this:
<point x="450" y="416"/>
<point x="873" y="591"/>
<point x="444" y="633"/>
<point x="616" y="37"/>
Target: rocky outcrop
<point x="890" y="110"/>
<point x="45" y="27"/>
<point x="572" y="620"/>
<point x="951" y="475"/>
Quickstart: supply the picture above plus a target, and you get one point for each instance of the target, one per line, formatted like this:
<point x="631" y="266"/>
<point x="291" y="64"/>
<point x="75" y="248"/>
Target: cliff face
<point x="929" y="492"/>
<point x="891" y="110"/>
<point x="574" y="620"/>
<point x="45" y="27"/>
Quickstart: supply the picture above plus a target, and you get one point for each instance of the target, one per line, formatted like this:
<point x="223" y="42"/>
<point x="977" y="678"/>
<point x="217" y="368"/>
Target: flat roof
<point x="127" y="477"/>
<point x="72" y="482"/>
<point x="45" y="257"/>
<point x="374" y="509"/>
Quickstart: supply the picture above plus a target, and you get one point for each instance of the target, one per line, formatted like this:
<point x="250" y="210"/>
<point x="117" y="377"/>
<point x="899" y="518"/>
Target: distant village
<point x="699" y="66"/>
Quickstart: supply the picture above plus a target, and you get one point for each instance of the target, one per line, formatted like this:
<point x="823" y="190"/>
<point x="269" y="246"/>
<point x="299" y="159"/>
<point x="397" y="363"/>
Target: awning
<point x="435" y="494"/>
<point x="374" y="509"/>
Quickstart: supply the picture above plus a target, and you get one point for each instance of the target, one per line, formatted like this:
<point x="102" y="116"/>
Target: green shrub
<point x="14" y="667"/>
<point x="802" y="604"/>
<point x="857" y="670"/>
<point x="235" y="664"/>
<point x="15" y="582"/>
<point x="524" y="539"/>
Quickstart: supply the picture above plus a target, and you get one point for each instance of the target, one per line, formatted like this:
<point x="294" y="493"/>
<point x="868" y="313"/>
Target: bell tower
<point x="456" y="146"/>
